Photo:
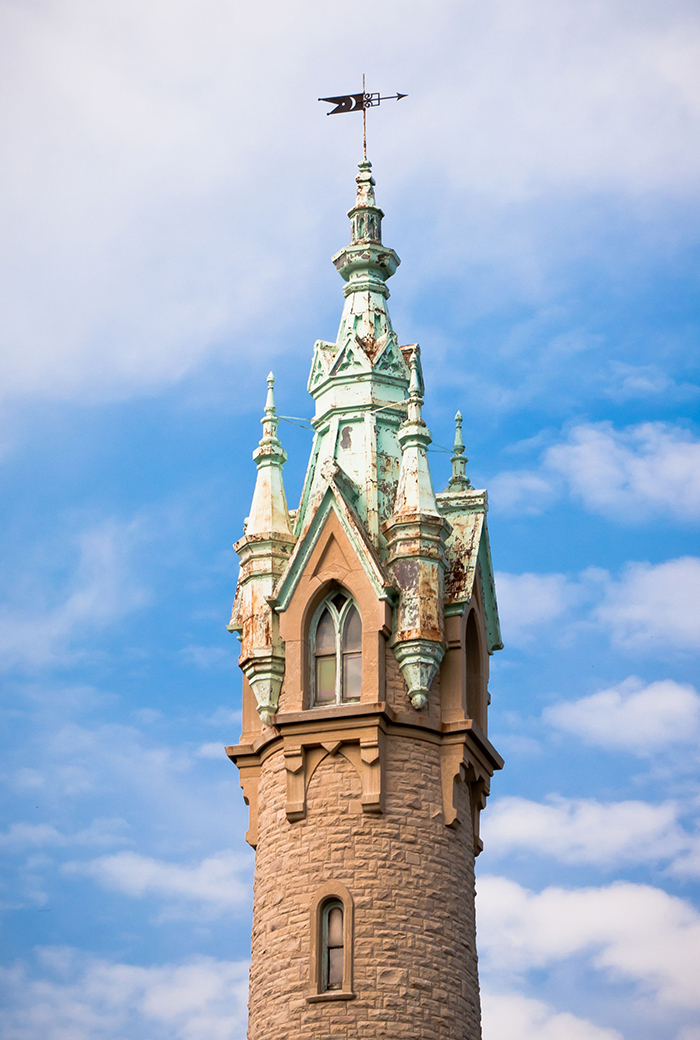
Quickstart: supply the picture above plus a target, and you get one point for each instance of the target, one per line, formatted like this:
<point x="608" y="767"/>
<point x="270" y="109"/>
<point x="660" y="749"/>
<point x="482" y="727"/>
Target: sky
<point x="171" y="195"/>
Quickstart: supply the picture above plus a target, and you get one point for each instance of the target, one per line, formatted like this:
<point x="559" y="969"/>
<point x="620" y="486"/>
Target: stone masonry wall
<point x="412" y="882"/>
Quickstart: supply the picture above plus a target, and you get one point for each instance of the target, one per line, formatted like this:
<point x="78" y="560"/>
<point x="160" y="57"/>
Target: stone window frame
<point x="339" y="619"/>
<point x="329" y="893"/>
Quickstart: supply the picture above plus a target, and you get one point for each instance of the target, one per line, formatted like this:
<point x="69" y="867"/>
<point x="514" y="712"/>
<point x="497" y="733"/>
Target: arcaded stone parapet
<point x="411" y="880"/>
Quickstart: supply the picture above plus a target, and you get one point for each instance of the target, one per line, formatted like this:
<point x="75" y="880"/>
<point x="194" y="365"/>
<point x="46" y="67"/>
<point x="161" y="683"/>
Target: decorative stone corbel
<point x="371" y="753"/>
<point x="264" y="669"/>
<point x="296" y="783"/>
<point x="250" y="782"/>
<point x="419" y="660"/>
<point x="457" y="768"/>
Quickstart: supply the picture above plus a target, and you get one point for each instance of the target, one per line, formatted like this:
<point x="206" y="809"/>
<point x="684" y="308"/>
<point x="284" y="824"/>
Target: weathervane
<point x="359" y="103"/>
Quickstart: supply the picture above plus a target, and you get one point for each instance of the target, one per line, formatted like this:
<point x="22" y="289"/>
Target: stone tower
<point x="366" y="619"/>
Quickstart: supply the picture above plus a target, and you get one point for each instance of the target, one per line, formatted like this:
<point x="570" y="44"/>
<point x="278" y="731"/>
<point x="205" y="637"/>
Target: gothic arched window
<point x="336" y="651"/>
<point x="332" y="946"/>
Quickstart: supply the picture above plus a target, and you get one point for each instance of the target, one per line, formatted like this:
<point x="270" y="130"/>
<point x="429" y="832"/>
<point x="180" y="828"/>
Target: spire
<point x="268" y="512"/>
<point x="459" y="481"/>
<point x="365" y="265"/>
<point x="415" y="492"/>
<point x="359" y="381"/>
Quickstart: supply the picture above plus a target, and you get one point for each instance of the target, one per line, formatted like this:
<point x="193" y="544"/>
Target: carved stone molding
<point x="364" y="752"/>
<point x="459" y="766"/>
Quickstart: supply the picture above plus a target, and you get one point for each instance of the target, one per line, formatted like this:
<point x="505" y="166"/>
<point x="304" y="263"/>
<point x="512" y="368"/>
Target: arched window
<point x="332" y="946"/>
<point x="336" y="651"/>
<point x="476" y="692"/>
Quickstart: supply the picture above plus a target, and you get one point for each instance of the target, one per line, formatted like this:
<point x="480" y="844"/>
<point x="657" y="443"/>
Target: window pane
<point x="325" y="680"/>
<point x="339" y="601"/>
<point x="352" y="634"/>
<point x="335" y="926"/>
<point x="325" y="635"/>
<point x="335" y="968"/>
<point x="352" y="677"/>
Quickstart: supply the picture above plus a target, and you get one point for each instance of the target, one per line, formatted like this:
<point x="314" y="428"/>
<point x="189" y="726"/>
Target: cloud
<point x="639" y="381"/>
<point x="132" y="134"/>
<point x="586" y="831"/>
<point x="631" y="475"/>
<point x="207" y="657"/>
<point x="70" y="994"/>
<point x="654" y="607"/>
<point x="39" y="624"/>
<point x="632" y="716"/>
<point x="38" y="835"/>
<point x="511" y="1016"/>
<point x="649" y="609"/>
<point x="628" y="931"/>
<point x="528" y="600"/>
<point x="212" y="750"/>
<point x="214" y="883"/>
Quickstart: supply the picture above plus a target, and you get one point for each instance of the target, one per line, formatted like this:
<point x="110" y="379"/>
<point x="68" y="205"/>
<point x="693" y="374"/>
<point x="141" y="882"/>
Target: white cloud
<point x="212" y="750"/>
<point x="38" y="835"/>
<point x="634" y="381"/>
<point x="650" y="609"/>
<point x="651" y="469"/>
<point x="526" y="601"/>
<point x="38" y="626"/>
<point x="75" y="996"/>
<point x="215" y="882"/>
<point x="583" y="830"/>
<point x="632" y="716"/>
<point x="655" y="608"/>
<point x="631" y="475"/>
<point x="207" y="657"/>
<point x="132" y="133"/>
<point x="511" y="1016"/>
<point x="628" y="931"/>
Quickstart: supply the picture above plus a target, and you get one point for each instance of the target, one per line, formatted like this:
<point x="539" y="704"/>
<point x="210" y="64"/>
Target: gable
<point x="333" y="546"/>
<point x="468" y="554"/>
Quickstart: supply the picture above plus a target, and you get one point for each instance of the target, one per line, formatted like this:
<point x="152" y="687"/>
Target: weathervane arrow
<point x="359" y="103"/>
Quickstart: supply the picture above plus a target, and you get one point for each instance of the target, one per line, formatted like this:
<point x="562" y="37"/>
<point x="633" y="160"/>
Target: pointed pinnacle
<point x="459" y="480"/>
<point x="459" y="442"/>
<point x="270" y="399"/>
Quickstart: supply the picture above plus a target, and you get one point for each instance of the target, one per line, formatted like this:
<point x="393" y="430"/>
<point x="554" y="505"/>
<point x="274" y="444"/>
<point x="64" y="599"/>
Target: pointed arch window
<point x="336" y="651"/>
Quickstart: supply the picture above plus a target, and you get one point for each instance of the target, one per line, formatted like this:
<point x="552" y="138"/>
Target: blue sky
<point x="172" y="196"/>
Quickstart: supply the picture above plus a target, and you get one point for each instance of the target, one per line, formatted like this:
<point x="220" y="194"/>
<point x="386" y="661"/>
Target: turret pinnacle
<point x="264" y="550"/>
<point x="459" y="481"/>
<point x="269" y="513"/>
<point x="415" y="492"/>
<point x="416" y="536"/>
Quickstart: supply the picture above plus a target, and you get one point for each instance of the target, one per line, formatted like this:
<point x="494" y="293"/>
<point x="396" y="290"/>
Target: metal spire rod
<point x="364" y="119"/>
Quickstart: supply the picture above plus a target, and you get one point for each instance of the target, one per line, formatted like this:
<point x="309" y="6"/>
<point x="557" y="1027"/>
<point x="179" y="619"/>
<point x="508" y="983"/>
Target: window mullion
<point x="338" y="662"/>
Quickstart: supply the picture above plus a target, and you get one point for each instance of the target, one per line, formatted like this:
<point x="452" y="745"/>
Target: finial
<point x="365" y="185"/>
<point x="415" y="396"/>
<point x="270" y="399"/>
<point x="459" y="480"/>
<point x="270" y="419"/>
